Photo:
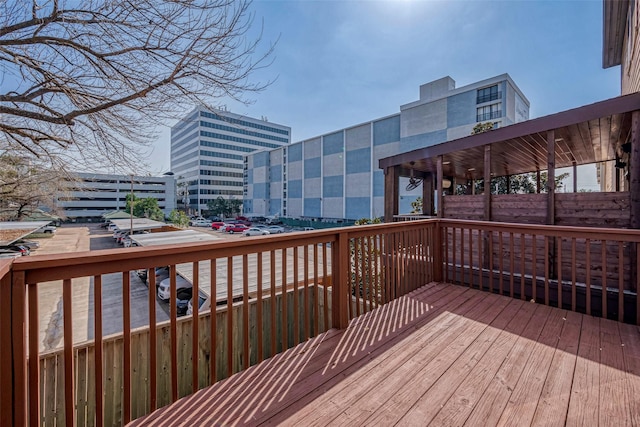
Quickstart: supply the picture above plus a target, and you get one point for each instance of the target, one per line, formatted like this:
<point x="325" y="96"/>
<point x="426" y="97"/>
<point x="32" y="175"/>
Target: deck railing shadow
<point x="296" y="287"/>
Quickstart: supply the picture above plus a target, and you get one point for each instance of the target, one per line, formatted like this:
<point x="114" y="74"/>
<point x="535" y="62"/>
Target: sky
<point x="340" y="63"/>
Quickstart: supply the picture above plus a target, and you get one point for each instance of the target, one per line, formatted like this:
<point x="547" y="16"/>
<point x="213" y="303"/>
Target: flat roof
<point x="138" y="224"/>
<point x="173" y="237"/>
<point x="10" y="231"/>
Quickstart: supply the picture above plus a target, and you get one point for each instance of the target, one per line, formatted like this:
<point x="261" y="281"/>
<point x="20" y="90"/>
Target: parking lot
<point x="88" y="237"/>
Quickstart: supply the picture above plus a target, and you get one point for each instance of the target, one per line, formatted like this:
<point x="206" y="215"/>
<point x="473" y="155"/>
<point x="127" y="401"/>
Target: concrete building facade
<point x="336" y="176"/>
<point x="207" y="153"/>
<point x="95" y="194"/>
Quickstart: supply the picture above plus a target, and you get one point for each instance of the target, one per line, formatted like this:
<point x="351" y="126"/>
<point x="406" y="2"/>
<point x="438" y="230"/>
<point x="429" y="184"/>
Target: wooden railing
<point x="268" y="294"/>
<point x="585" y="269"/>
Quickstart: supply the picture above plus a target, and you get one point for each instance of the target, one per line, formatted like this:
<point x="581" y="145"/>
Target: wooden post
<point x="551" y="199"/>
<point x="487" y="203"/>
<point x="551" y="177"/>
<point x="487" y="182"/>
<point x="19" y="349"/>
<point x="427" y="195"/>
<point x="575" y="177"/>
<point x="634" y="188"/>
<point x="6" y="371"/>
<point x="439" y="178"/>
<point x="508" y="184"/>
<point x="538" y="181"/>
<point x="391" y="192"/>
<point x="438" y="251"/>
<point x="340" y="273"/>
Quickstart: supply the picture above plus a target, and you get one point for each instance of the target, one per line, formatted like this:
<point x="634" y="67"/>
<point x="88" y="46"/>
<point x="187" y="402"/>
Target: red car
<point x="236" y="228"/>
<point x="216" y="225"/>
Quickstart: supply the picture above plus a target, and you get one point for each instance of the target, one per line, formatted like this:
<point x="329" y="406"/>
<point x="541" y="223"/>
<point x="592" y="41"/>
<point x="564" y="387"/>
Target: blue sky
<point x="340" y="63"/>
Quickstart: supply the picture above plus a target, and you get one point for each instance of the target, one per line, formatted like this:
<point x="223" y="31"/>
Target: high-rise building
<point x="207" y="152"/>
<point x="336" y="175"/>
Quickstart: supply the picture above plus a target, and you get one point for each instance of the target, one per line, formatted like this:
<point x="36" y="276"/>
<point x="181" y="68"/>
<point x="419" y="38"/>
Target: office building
<point x="207" y="152"/>
<point x="336" y="176"/>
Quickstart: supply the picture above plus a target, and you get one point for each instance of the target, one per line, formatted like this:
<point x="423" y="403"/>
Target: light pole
<point x="131" y="208"/>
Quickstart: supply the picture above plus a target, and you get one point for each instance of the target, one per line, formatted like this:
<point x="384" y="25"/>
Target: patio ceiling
<point x="589" y="134"/>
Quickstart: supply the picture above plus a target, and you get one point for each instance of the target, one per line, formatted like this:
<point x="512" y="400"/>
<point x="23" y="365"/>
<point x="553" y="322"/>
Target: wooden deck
<point x="442" y="355"/>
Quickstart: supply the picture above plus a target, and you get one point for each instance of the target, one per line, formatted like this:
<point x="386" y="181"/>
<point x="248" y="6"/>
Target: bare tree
<point x="87" y="78"/>
<point x="28" y="184"/>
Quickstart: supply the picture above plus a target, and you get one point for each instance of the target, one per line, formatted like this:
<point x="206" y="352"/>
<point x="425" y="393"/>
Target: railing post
<point x="19" y="348"/>
<point x="340" y="272"/>
<point x="6" y="371"/>
<point x="437" y="251"/>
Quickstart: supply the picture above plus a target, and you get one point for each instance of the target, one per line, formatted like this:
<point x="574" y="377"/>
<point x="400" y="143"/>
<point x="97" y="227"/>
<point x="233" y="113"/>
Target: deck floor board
<point x="441" y="355"/>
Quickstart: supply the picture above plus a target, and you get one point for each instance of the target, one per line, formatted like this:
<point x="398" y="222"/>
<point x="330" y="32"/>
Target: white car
<point x="164" y="292"/>
<point x="255" y="231"/>
<point x="200" y="223"/>
<point x="275" y="229"/>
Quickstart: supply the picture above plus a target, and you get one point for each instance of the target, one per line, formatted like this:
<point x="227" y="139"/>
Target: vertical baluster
<point x="588" y="279"/>
<point x="325" y="286"/>
<point x="523" y="294"/>
<point x="501" y="278"/>
<point x="546" y="270"/>
<point x="534" y="262"/>
<point x="559" y="272"/>
<point x="512" y="267"/>
<point x="470" y="257"/>
<point x="195" y="348"/>
<point x="604" y="278"/>
<point x="490" y="237"/>
<point x="126" y="326"/>
<point x="98" y="353"/>
<point x="69" y="384"/>
<point x="296" y="302"/>
<point x="621" y="283"/>
<point x="274" y="328"/>
<point x="173" y="328"/>
<point x="229" y="316"/>
<point x="34" y="351"/>
<point x="285" y="312"/>
<point x="316" y="293"/>
<point x="306" y="305"/>
<point x="573" y="274"/>
<point x="259" y="321"/>
<point x="213" y="321"/>
<point x="246" y="356"/>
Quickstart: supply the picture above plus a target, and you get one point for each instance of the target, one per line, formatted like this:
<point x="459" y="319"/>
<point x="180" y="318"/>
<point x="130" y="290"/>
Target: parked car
<point x="22" y="250"/>
<point x="164" y="292"/>
<point x="255" y="231"/>
<point x="200" y="223"/>
<point x="216" y="225"/>
<point x="6" y="253"/>
<point x="161" y="274"/>
<point x="183" y="296"/>
<point x="201" y="300"/>
<point x="50" y="229"/>
<point x="31" y="244"/>
<point x="236" y="228"/>
<point x="275" y="229"/>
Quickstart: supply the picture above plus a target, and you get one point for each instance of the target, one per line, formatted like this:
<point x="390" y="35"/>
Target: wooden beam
<point x="551" y="176"/>
<point x="391" y="193"/>
<point x="439" y="178"/>
<point x="427" y="195"/>
<point x="487" y="182"/>
<point x="634" y="170"/>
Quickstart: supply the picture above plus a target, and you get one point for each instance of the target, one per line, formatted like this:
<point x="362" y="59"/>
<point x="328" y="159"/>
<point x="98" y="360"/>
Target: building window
<point x="489" y="112"/>
<point x="488" y="94"/>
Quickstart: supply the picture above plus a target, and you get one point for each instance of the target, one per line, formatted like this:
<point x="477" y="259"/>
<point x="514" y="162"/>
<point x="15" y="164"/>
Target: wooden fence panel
<point x="52" y="369"/>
